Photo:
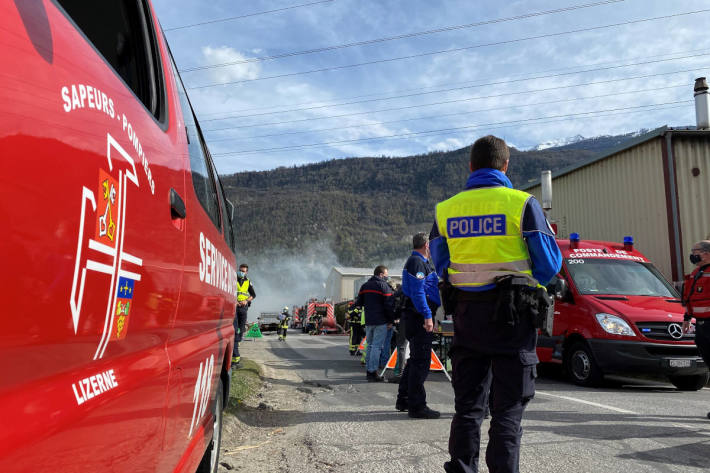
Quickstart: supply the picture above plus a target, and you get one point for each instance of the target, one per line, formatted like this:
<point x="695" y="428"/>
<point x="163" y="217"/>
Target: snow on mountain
<point x="557" y="143"/>
<point x="596" y="143"/>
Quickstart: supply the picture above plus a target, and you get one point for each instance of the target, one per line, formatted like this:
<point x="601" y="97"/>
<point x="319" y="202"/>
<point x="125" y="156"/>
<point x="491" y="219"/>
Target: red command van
<point x="616" y="313"/>
<point x="118" y="281"/>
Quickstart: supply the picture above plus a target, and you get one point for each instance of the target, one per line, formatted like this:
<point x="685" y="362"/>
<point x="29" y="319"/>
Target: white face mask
<point x="241" y="274"/>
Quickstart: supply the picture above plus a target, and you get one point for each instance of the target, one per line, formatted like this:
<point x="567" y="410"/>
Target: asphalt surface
<point x="349" y="425"/>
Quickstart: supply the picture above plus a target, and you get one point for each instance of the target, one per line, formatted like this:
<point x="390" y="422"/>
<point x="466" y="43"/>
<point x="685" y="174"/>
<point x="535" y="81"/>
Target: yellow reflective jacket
<point x="243" y="290"/>
<point x="482" y="228"/>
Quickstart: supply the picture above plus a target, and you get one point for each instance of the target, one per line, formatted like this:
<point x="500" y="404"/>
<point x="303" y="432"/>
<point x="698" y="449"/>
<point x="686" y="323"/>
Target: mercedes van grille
<point x="670" y="331"/>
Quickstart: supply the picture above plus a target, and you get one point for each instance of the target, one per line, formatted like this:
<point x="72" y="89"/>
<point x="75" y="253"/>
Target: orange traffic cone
<point x="434" y="365"/>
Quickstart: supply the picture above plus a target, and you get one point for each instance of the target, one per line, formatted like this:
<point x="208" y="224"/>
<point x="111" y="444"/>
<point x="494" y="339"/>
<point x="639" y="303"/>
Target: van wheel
<point x="689" y="383"/>
<point x="581" y="367"/>
<point x="210" y="460"/>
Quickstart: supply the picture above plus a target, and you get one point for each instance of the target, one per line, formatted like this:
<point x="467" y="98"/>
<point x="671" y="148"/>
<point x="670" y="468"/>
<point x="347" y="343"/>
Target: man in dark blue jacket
<point x="420" y="285"/>
<point x="376" y="297"/>
<point x="492" y="244"/>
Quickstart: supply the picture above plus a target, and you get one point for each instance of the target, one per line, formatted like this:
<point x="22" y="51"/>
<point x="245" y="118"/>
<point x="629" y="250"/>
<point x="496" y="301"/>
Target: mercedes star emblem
<point x="675" y="331"/>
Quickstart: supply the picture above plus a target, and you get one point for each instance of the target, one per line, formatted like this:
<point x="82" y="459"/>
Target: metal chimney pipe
<point x="702" y="104"/>
<point x="546" y="185"/>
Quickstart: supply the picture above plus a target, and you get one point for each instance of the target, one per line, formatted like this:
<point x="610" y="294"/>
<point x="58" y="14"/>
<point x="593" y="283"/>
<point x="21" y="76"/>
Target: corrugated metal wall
<point x="692" y="152"/>
<point x="623" y="194"/>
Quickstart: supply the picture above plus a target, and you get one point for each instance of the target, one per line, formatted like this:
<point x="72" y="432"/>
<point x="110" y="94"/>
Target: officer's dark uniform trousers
<point x="411" y="386"/>
<point x="240" y="321"/>
<point x="489" y="357"/>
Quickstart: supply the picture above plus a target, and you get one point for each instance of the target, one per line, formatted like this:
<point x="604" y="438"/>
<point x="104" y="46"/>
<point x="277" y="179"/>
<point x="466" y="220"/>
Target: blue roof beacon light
<point x="574" y="240"/>
<point x="629" y="243"/>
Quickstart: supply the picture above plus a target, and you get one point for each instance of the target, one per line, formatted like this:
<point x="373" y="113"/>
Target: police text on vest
<point x="475" y="226"/>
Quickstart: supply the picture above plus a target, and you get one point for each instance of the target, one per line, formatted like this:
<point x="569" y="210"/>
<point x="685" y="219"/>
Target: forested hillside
<point x="366" y="208"/>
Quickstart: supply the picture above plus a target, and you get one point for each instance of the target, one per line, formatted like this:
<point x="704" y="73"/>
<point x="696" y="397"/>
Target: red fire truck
<point x="296" y="321"/>
<point x="616" y="313"/>
<point x="118" y="288"/>
<point x="320" y="318"/>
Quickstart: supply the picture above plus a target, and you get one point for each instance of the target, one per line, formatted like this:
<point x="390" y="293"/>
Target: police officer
<point x="245" y="294"/>
<point x="420" y="288"/>
<point x="356" y="320"/>
<point x="284" y="318"/>
<point x="696" y="298"/>
<point x="491" y="243"/>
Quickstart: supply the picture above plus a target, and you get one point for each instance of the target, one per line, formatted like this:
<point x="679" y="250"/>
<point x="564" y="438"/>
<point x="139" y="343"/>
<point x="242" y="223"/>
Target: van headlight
<point x="615" y="325"/>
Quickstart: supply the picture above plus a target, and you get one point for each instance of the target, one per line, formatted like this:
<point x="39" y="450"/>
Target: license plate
<point x="680" y="363"/>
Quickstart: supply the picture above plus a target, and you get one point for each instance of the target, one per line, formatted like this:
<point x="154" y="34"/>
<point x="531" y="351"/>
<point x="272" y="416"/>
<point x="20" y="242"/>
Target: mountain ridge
<point x="367" y="208"/>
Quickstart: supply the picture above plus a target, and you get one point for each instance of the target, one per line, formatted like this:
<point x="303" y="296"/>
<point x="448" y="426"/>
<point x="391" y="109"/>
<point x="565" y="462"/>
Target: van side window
<point x="202" y="175"/>
<point x="226" y="212"/>
<point x="122" y="31"/>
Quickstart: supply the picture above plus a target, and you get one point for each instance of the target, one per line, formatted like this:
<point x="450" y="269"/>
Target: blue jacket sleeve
<point x="413" y="281"/>
<point x="544" y="253"/>
<point x="439" y="249"/>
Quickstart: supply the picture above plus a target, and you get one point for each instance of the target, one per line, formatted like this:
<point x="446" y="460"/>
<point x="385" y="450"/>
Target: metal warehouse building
<point x="343" y="284"/>
<point x="655" y="188"/>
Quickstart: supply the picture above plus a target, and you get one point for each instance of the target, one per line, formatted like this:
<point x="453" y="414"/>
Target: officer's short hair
<point x="703" y="245"/>
<point x="489" y="152"/>
<point x="419" y="240"/>
<point x="244" y="265"/>
<point x="380" y="269"/>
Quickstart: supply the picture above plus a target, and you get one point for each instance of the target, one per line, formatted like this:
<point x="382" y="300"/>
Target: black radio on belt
<point x="518" y="300"/>
<point x="514" y="297"/>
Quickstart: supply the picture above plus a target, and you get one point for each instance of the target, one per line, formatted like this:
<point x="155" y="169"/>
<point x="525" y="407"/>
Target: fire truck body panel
<point x="118" y="301"/>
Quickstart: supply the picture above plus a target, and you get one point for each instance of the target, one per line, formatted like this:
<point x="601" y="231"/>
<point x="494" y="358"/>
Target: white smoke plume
<point x="288" y="278"/>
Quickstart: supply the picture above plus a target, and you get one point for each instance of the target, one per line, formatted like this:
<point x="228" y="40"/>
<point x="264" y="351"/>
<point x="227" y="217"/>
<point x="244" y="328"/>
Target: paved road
<point x="350" y="425"/>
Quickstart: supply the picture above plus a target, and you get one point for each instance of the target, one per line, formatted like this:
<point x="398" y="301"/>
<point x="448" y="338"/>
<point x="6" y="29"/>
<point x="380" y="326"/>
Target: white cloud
<point x="514" y="97"/>
<point x="225" y="54"/>
<point x="446" y="145"/>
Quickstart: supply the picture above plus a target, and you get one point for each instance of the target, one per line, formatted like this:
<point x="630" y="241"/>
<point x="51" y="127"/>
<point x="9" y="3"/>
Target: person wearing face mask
<point x="245" y="294"/>
<point x="696" y="299"/>
<point x="375" y="296"/>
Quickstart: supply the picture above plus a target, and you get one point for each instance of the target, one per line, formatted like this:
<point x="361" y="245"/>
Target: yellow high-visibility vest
<point x="484" y="235"/>
<point x="243" y="290"/>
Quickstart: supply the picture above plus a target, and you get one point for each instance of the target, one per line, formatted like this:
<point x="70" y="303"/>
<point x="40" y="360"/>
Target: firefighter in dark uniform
<point x="420" y="286"/>
<point x="494" y="249"/>
<point x="245" y="294"/>
<point x="314" y="321"/>
<point x="284" y="319"/>
<point x="356" y="320"/>
<point x="696" y="299"/>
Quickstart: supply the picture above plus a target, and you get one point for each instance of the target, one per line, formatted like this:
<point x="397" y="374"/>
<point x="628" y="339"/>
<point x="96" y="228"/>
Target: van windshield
<point x="618" y="277"/>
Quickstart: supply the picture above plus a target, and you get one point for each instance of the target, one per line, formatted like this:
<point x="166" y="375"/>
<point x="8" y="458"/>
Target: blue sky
<point x="519" y="90"/>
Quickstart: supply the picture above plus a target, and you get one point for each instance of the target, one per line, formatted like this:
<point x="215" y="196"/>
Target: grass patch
<point x="246" y="381"/>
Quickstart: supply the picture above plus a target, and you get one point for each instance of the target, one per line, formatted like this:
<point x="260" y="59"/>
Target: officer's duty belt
<point x="490" y="295"/>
